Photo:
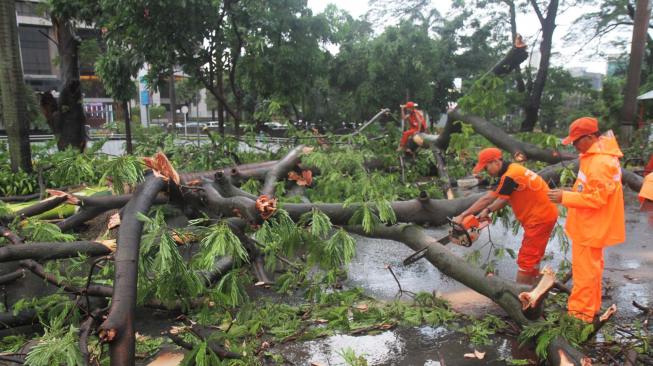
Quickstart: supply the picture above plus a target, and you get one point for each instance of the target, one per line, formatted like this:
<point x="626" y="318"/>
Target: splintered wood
<point x="532" y="298"/>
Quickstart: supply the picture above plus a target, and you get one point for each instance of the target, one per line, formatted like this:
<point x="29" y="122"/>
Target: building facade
<point x="41" y="72"/>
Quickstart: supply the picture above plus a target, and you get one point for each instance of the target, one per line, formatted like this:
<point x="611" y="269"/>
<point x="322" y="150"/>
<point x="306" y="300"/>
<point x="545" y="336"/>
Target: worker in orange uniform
<point x="416" y="123"/>
<point x="646" y="193"/>
<point x="526" y="192"/>
<point x="595" y="215"/>
<point x="646" y="197"/>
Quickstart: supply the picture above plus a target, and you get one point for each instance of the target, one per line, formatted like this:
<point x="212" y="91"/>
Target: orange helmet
<point x="411" y="105"/>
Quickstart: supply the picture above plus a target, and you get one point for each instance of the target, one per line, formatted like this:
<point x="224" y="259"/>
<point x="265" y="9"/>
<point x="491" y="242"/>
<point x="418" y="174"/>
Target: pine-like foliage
<point x="162" y="271"/>
<point x="41" y="231"/>
<point x="219" y="241"/>
<point x="122" y="171"/>
<point x="57" y="346"/>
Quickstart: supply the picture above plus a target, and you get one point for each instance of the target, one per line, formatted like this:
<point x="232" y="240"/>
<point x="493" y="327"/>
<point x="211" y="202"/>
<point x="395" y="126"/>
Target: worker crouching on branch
<point x="595" y="215"/>
<point x="416" y="123"/>
<point x="526" y="192"/>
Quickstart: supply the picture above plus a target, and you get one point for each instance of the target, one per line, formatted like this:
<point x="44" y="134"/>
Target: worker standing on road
<point x="416" y="123"/>
<point x="527" y="194"/>
<point x="595" y="215"/>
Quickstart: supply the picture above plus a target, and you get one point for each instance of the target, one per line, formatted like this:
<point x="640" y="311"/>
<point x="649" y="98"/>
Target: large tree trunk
<point x="642" y="15"/>
<point x="68" y="123"/>
<point x="13" y="106"/>
<point x="534" y="97"/>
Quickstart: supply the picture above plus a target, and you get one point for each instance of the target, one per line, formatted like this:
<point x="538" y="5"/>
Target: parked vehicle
<point x="275" y="126"/>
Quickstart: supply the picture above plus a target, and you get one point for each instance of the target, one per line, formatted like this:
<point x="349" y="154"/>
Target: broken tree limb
<point x="85" y="330"/>
<point x="531" y="299"/>
<point x="40" y="207"/>
<point x="231" y="206"/>
<point x="504" y="293"/>
<point x="281" y="169"/>
<point x="204" y="334"/>
<point x="84" y="214"/>
<point x="376" y="116"/>
<point x="12" y="276"/>
<point x="37" y="269"/>
<point x="226" y="188"/>
<point x="118" y="328"/>
<point x="24" y="317"/>
<point x="48" y="251"/>
<point x="422" y="210"/>
<point x="245" y="171"/>
<point x="443" y="174"/>
<point x="551" y="174"/>
<point x="519" y="150"/>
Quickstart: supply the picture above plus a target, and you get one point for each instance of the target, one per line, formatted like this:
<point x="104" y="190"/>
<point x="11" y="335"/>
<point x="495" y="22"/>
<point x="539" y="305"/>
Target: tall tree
<point x="65" y="116"/>
<point x="642" y="16"/>
<point x="12" y="90"/>
<point x="117" y="67"/>
<point x="535" y="87"/>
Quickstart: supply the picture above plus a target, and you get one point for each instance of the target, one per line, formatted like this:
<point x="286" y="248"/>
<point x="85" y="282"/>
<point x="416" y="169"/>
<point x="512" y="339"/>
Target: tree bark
<point x="534" y="97"/>
<point x="128" y="127"/>
<point x="519" y="150"/>
<point x="13" y="105"/>
<point x="513" y="31"/>
<point x="118" y="328"/>
<point x="69" y="120"/>
<point x="281" y="169"/>
<point x="629" y="109"/>
<point x="172" y="96"/>
<point x="49" y="251"/>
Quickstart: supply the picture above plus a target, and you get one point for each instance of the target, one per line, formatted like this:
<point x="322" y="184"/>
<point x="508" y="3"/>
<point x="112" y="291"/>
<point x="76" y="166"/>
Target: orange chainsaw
<point x="464" y="234"/>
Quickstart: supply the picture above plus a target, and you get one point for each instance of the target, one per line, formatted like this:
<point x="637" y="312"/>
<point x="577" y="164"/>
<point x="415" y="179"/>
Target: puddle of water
<point x="404" y="346"/>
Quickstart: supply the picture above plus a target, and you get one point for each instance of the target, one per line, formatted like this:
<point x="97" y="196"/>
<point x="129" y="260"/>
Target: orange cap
<point x="581" y="127"/>
<point x="486" y="156"/>
<point x="411" y="105"/>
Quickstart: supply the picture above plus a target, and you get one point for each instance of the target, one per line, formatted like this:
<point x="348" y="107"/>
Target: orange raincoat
<point x="595" y="220"/>
<point x="646" y="193"/>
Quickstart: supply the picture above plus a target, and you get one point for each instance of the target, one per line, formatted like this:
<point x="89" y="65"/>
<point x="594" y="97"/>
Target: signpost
<point x="145" y="101"/>
<point x="184" y="110"/>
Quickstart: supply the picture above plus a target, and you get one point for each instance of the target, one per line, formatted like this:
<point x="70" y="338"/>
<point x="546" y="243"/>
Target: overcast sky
<point x="527" y="25"/>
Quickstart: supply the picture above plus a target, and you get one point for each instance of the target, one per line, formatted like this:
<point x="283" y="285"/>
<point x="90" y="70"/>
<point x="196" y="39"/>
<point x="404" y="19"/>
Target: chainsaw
<point x="463" y="234"/>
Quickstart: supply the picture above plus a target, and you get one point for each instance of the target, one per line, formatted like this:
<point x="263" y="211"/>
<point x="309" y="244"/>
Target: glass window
<point x="35" y="50"/>
<point x="30" y="9"/>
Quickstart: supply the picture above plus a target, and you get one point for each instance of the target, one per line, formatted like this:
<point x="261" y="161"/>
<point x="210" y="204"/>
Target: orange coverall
<point x="595" y="220"/>
<point x="417" y="124"/>
<point x="526" y="192"/>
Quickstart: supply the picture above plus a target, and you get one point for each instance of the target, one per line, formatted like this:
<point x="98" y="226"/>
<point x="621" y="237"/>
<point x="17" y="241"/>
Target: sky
<point x="527" y="25"/>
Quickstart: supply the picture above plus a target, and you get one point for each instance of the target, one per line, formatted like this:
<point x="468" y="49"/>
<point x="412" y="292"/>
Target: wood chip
<point x="476" y="355"/>
<point x="362" y="307"/>
<point x="167" y="359"/>
<point x="114" y="221"/>
<point x="110" y="244"/>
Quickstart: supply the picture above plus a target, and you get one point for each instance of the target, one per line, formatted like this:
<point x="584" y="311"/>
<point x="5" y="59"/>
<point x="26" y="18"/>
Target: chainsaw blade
<point x="445" y="240"/>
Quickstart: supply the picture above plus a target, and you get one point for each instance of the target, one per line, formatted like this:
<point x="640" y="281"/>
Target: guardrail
<point x="189" y="137"/>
